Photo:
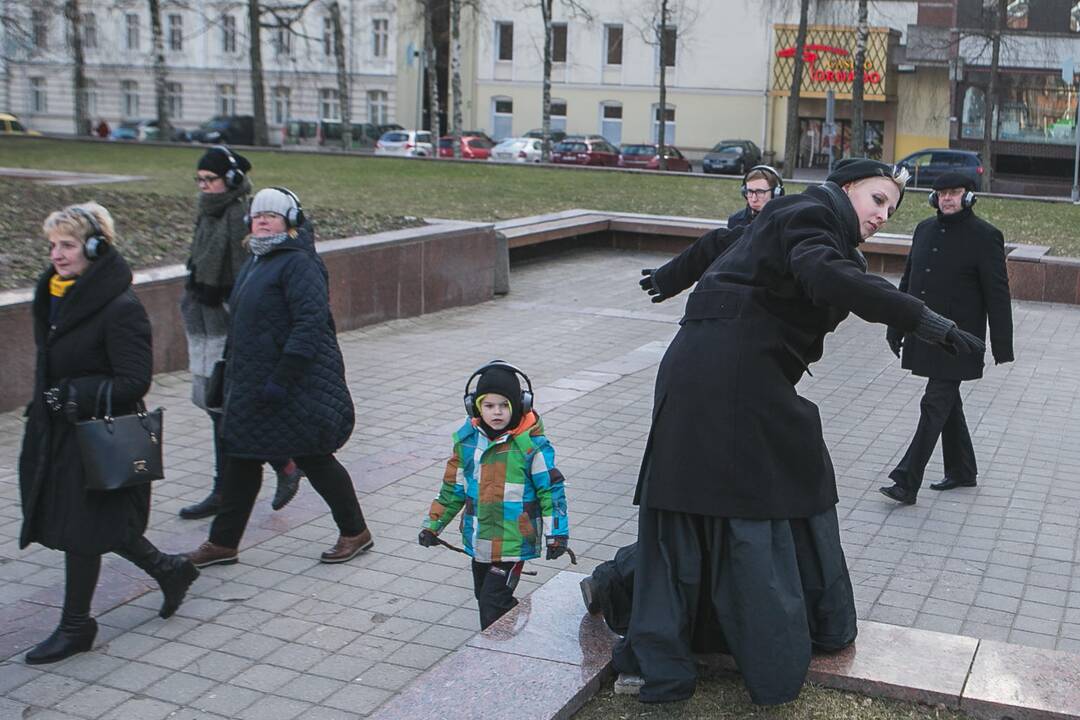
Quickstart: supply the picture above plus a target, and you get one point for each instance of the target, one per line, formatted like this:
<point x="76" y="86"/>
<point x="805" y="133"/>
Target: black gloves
<point x="427" y="538"/>
<point x="54" y="398"/>
<point x="961" y="341"/>
<point x="557" y="547"/>
<point x="648" y="284"/>
<point x="895" y="338"/>
<point x="939" y="330"/>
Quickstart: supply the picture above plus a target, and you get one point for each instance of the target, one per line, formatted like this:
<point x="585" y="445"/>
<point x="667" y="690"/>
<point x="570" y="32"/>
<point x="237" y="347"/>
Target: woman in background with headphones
<point x="217" y="252"/>
<point x="285" y="390"/>
<point x="90" y="329"/>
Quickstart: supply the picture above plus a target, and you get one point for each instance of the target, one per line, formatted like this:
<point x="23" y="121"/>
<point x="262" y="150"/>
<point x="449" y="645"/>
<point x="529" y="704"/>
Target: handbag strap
<point x="104" y="391"/>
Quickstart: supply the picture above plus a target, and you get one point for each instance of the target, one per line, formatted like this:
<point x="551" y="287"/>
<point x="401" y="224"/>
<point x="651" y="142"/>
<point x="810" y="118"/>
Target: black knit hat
<point x="216" y="160"/>
<point x="501" y="381"/>
<point x="949" y="180"/>
<point x="852" y="169"/>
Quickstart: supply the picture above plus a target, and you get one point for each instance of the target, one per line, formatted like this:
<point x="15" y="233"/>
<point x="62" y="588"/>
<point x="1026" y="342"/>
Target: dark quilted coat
<point x="280" y="314"/>
<point x="100" y="333"/>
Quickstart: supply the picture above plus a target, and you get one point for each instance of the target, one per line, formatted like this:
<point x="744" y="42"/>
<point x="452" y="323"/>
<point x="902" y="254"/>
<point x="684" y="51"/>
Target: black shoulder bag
<point x="120" y="452"/>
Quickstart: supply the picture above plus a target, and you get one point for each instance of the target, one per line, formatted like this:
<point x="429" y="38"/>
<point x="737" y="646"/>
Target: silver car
<point x="405" y="143"/>
<point x="523" y="150"/>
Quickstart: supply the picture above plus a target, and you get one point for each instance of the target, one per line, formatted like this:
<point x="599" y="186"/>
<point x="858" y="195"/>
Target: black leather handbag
<point x="215" y="387"/>
<point x="120" y="452"/>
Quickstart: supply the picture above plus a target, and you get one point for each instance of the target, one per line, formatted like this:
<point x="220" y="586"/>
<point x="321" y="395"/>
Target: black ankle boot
<point x="207" y="507"/>
<point x="174" y="573"/>
<point x="74" y="634"/>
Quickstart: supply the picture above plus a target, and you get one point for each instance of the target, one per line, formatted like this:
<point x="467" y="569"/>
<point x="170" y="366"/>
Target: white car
<point x="523" y="150"/>
<point x="405" y="143"/>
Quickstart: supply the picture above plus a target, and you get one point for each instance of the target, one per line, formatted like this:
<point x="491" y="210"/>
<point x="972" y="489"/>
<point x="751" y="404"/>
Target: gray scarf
<point x="259" y="246"/>
<point x="216" y="250"/>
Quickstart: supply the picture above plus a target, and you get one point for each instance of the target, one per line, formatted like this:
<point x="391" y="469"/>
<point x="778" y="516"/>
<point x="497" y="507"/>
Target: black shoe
<point x="899" y="494"/>
<point x="949" y="484"/>
<point x="287" y="485"/>
<point x="71" y="637"/>
<point x="208" y="507"/>
<point x="174" y="574"/>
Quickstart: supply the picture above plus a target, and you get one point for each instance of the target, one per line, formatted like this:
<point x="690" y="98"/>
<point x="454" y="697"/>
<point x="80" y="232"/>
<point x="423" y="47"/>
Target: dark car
<point x="585" y="152"/>
<point x="732" y="156"/>
<point x="226" y="129"/>
<point x="645" y="157"/>
<point x="926" y="165"/>
<point x="557" y="136"/>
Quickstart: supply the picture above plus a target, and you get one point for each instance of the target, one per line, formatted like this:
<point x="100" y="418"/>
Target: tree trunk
<point x="161" y="82"/>
<point x="74" y="18"/>
<point x="661" y="134"/>
<point x="432" y="76"/>
<point x="991" y="103"/>
<point x="455" y="74"/>
<point x="791" y="140"/>
<point x="858" y="84"/>
<point x="344" y="95"/>
<point x="258" y="91"/>
<point x="546" y="8"/>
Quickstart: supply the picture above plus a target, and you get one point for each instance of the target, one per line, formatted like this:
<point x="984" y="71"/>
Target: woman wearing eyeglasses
<point x="217" y="252"/>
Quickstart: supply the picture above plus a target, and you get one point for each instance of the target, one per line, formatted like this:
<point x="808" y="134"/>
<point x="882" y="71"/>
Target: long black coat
<point x="957" y="267"/>
<point x="730" y="435"/>
<point x="281" y="327"/>
<point x="685" y="270"/>
<point x="741" y="218"/>
<point x="101" y="333"/>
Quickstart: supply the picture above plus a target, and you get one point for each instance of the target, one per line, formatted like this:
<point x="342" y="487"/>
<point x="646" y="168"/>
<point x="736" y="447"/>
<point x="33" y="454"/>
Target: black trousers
<point x="243" y="479"/>
<point x="941" y="415"/>
<point x="219" y="457"/>
<point x="81" y="573"/>
<point x="493" y="586"/>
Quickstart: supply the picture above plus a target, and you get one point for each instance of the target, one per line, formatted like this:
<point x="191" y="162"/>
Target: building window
<point x="329" y="104"/>
<point x="89" y="31"/>
<point x="90" y="96"/>
<point x="282" y="41"/>
<point x="226" y="99"/>
<point x="378" y="104"/>
<point x="504" y="41"/>
<point x="558" y="115"/>
<point x="611" y="122"/>
<point x="282" y="105"/>
<point x="228" y="34"/>
<point x="670" y="38"/>
<point x="131" y="27"/>
<point x="176" y="32"/>
<point x="669" y="125"/>
<point x="613" y="44"/>
<point x="1016" y="15"/>
<point x="174" y="99"/>
<point x="39" y="103"/>
<point x="380" y="37"/>
<point x="502" y="117"/>
<point x="129" y="98"/>
<point x="1074" y="18"/>
<point x="39" y="29"/>
<point x="328" y="36"/>
<point x="558" y="43"/>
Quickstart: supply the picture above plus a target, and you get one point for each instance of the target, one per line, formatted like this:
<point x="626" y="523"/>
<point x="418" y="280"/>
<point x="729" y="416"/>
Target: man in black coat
<point x="760" y="184"/>
<point x="957" y="267"/>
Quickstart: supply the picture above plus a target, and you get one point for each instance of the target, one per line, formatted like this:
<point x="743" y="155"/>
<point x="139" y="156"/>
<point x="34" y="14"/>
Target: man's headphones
<point x="294" y="216"/>
<point x="966" y="200"/>
<point x="95" y="243"/>
<point x="526" y="398"/>
<point x="777" y="190"/>
<point x="234" y="176"/>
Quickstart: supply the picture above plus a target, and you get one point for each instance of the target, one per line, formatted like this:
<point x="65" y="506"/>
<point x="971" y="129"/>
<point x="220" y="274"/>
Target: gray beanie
<point x="272" y="200"/>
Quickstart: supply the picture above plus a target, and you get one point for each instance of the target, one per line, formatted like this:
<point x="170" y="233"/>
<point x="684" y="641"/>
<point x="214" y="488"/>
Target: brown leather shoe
<point x="211" y="554"/>
<point x="347" y="547"/>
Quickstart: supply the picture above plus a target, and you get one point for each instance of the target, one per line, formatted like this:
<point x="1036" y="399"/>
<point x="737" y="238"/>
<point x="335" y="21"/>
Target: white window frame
<point x="558" y="122"/>
<point x="39" y="95"/>
<point x="566" y="43"/>
<point x="225" y="101"/>
<point x="498" y="41"/>
<point x="89" y="31"/>
<point x="622" y="45"/>
<point x="282" y="104"/>
<point x="175" y="33"/>
<point x="657" y="59"/>
<point x="174" y="100"/>
<point x="228" y="34"/>
<point x="505" y="118"/>
<point x="39" y="29"/>
<point x="604" y="121"/>
<point x="329" y="104"/>
<point x="380" y="38"/>
<point x="132" y="31"/>
<point x="378" y="107"/>
<point x="669" y="125"/>
<point x="282" y="39"/>
<point x="129" y="99"/>
<point x="90" y="92"/>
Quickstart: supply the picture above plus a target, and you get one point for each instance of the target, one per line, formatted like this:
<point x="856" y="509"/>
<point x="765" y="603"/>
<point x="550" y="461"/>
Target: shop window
<point x="1016" y="15"/>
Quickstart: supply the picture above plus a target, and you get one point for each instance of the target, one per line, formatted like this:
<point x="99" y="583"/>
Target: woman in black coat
<point x="90" y="328"/>
<point x="285" y="389"/>
<point x="736" y="491"/>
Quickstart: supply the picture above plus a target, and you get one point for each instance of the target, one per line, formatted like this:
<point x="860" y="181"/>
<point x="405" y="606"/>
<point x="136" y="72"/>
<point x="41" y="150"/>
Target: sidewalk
<point x="282" y="636"/>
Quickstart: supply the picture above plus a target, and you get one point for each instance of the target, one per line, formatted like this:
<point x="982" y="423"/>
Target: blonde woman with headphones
<point x="90" y="330"/>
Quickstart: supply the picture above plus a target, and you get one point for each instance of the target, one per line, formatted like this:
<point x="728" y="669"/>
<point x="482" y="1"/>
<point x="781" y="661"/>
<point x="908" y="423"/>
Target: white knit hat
<point x="272" y="200"/>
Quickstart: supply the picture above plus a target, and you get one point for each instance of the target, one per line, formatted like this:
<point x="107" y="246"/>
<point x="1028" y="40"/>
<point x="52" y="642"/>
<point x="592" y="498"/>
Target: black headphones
<point x="777" y="190"/>
<point x="294" y="217"/>
<point x="234" y="176"/>
<point x="95" y="243"/>
<point x="966" y="200"/>
<point x="526" y="399"/>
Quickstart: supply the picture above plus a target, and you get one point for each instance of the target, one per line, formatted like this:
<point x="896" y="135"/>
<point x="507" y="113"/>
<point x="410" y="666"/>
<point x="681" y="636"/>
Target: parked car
<point x="479" y="134"/>
<point x="520" y="149"/>
<point x="645" y="157"/>
<point x="405" y="143"/>
<point x="585" y="152"/>
<point x="10" y="125"/>
<point x="146" y="129"/>
<point x="556" y="136"/>
<point x="732" y="156"/>
<point x="226" y="129"/>
<point x="926" y="165"/>
<point x="472" y="148"/>
<point x="328" y="132"/>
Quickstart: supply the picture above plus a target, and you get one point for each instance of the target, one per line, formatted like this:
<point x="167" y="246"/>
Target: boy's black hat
<point x="503" y="381"/>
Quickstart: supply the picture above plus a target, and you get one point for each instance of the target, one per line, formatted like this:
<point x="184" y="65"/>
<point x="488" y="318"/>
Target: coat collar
<point x="955" y="218"/>
<point x="837" y="200"/>
<point x="105" y="279"/>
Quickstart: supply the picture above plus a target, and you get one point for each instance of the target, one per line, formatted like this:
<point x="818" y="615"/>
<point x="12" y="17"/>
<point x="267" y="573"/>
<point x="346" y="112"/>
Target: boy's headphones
<point x="966" y="200"/>
<point x="778" y="188"/>
<point x="234" y="176"/>
<point x="526" y="399"/>
<point x="95" y="243"/>
<point x="294" y="216"/>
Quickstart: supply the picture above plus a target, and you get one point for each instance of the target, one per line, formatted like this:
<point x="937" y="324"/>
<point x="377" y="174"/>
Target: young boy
<point x="509" y="486"/>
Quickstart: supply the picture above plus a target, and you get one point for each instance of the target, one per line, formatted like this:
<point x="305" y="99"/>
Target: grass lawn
<point x="723" y="697"/>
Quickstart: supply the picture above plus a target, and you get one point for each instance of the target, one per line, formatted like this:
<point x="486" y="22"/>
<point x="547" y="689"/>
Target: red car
<point x="645" y="157"/>
<point x="588" y="151"/>
<point x="473" y="147"/>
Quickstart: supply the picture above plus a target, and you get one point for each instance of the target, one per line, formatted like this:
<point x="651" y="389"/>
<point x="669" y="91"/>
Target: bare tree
<point x="791" y="140"/>
<point x="73" y="14"/>
<point x="858" y="84"/>
<point x="997" y="24"/>
<point x="161" y="77"/>
<point x="547" y="13"/>
<point x="434" y="105"/>
<point x="258" y="90"/>
<point x="342" y="76"/>
<point x="455" y="75"/>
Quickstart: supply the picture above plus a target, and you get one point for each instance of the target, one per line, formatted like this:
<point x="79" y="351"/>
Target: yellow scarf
<point x="58" y="286"/>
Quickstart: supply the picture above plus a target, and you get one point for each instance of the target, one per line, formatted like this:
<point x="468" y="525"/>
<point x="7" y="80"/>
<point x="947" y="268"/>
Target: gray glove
<point x="940" y="330"/>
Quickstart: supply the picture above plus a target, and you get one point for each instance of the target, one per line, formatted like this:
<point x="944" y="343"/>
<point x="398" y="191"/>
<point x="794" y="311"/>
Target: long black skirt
<point x="766" y="591"/>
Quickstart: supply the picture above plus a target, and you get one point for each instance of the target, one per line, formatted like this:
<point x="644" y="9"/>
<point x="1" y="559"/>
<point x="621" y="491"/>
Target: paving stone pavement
<point x="281" y="636"/>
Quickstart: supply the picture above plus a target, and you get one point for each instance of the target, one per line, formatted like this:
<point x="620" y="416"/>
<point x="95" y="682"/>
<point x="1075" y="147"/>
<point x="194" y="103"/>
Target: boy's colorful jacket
<point x="512" y="493"/>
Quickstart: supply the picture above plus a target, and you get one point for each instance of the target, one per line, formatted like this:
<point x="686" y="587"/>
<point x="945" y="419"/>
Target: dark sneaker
<point x="207" y="507"/>
<point x="211" y="554"/>
<point x="899" y="494"/>
<point x="347" y="547"/>
<point x="288" y="483"/>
